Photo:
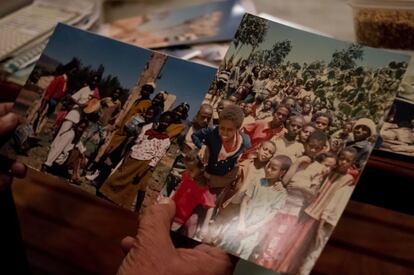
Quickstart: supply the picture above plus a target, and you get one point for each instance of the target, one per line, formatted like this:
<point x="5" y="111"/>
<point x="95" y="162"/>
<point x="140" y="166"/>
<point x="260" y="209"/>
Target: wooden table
<point x="67" y="231"/>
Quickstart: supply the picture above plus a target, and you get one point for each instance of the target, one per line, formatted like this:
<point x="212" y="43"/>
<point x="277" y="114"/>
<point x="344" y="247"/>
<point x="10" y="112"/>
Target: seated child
<point x="192" y="192"/>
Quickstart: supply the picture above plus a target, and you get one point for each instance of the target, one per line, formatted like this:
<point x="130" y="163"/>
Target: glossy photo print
<point x="208" y="22"/>
<point x="101" y="114"/>
<point x="397" y="134"/>
<point x="273" y="155"/>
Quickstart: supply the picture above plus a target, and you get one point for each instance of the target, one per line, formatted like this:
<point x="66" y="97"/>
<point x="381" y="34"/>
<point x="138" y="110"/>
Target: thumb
<point x="155" y="223"/>
<point x="8" y="123"/>
<point x="152" y="246"/>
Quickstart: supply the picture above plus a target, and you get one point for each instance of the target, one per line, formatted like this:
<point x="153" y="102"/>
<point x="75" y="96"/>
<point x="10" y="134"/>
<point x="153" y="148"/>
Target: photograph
<point x="279" y="142"/>
<point x="397" y="133"/>
<point x="396" y="139"/>
<point x="194" y="24"/>
<point x="101" y="114"/>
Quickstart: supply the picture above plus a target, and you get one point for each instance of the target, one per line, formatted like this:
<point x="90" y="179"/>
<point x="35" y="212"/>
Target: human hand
<point x="152" y="251"/>
<point x="8" y="168"/>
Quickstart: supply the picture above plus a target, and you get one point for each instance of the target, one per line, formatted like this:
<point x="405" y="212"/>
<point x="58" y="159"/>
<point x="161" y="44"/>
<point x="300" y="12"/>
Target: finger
<point x="152" y="247"/>
<point x="155" y="223"/>
<point x="8" y="123"/>
<point x="5" y="181"/>
<point x="206" y="263"/>
<point x="5" y="108"/>
<point x="18" y="170"/>
<point x="127" y="243"/>
<point x="209" y="249"/>
<point x="214" y="252"/>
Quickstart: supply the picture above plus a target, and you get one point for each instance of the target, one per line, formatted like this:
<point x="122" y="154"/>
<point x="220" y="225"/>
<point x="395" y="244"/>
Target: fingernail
<point x="164" y="200"/>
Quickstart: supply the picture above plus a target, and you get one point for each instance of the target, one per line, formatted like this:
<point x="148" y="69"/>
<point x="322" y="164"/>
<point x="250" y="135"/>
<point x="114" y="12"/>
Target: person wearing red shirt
<point x="192" y="192"/>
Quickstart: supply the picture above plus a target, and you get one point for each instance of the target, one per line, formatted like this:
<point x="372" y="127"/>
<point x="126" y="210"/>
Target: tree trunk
<point x="150" y="73"/>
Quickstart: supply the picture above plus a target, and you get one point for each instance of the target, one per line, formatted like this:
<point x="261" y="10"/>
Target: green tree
<point x="345" y="58"/>
<point x="279" y="52"/>
<point x="252" y="31"/>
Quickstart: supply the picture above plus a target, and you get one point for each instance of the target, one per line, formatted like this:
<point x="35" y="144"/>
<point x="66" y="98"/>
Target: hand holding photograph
<point x="260" y="157"/>
<point x="294" y="118"/>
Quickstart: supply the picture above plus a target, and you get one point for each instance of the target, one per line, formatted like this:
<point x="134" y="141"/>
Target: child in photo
<point x="345" y="133"/>
<point x="329" y="204"/>
<point x="307" y="112"/>
<point x="304" y="134"/>
<point x="131" y="176"/>
<point x="335" y="145"/>
<point x="262" y="130"/>
<point x="290" y="102"/>
<point x="322" y="121"/>
<point x="251" y="170"/>
<point x="220" y="106"/>
<point x="266" y="110"/>
<point x="224" y="145"/>
<point x="248" y="114"/>
<point x="260" y="84"/>
<point x="302" y="181"/>
<point x="192" y="192"/>
<point x="287" y="144"/>
<point x="274" y="246"/>
<point x="261" y="202"/>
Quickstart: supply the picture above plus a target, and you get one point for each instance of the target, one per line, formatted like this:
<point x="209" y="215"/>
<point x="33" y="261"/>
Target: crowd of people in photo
<point x="264" y="169"/>
<point x="83" y="122"/>
<point x="268" y="174"/>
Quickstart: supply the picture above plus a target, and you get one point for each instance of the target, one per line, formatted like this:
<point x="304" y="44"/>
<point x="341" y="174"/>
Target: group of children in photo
<point x="269" y="178"/>
<point x="265" y="168"/>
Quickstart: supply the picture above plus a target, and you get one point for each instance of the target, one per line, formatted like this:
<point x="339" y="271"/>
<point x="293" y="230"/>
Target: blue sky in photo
<point x="232" y="13"/>
<point x="188" y="81"/>
<point x="119" y="59"/>
<point x="308" y="47"/>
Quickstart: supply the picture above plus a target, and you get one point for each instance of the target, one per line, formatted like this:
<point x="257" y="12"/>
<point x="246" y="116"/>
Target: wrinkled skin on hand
<point x="153" y="252"/>
<point x="8" y="169"/>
